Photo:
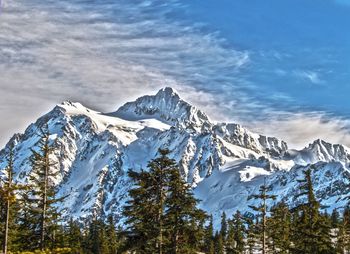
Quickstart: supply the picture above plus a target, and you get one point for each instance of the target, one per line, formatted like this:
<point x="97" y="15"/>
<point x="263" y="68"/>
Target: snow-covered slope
<point x="225" y="163"/>
<point x="166" y="106"/>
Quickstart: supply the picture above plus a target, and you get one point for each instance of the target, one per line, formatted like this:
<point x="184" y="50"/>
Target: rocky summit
<point x="224" y="162"/>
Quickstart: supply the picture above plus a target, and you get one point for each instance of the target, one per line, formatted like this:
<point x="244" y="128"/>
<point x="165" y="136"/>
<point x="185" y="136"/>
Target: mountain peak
<point x="320" y="142"/>
<point x="167" y="92"/>
<point x="320" y="150"/>
<point x="166" y="106"/>
<point x="70" y="104"/>
<point x="69" y="107"/>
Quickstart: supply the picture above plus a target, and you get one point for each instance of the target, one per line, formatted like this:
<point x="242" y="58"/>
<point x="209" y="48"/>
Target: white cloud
<point x="104" y="55"/>
<point x="300" y="129"/>
<point x="58" y="50"/>
<point x="310" y="76"/>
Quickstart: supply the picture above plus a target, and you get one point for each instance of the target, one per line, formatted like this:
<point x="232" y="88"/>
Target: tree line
<point x="161" y="216"/>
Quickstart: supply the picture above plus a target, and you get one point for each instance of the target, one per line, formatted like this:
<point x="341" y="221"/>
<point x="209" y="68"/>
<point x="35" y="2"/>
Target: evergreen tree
<point x="96" y="238"/>
<point x="223" y="229"/>
<point x="112" y="236"/>
<point x="140" y="212"/>
<point x="230" y="243"/>
<point x="8" y="200"/>
<point x="343" y="234"/>
<point x="74" y="237"/>
<point x="183" y="220"/>
<point x="211" y="249"/>
<point x="26" y="222"/>
<point x="209" y="246"/>
<point x="253" y="234"/>
<point x="2" y="214"/>
<point x="161" y="213"/>
<point x="219" y="243"/>
<point x="262" y="211"/>
<point x="8" y="197"/>
<point x="235" y="236"/>
<point x="158" y="169"/>
<point x="279" y="228"/>
<point x="335" y="218"/>
<point x="312" y="230"/>
<point x="41" y="200"/>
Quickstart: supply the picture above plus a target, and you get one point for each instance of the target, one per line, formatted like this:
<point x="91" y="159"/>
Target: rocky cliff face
<point x="224" y="162"/>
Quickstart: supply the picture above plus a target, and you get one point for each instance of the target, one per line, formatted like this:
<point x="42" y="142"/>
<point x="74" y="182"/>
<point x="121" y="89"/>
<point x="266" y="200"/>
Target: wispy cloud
<point x="300" y="129"/>
<point x="311" y="76"/>
<point x="104" y="54"/>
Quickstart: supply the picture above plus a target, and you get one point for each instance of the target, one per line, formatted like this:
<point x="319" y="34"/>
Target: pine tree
<point x="279" y="228"/>
<point x="158" y="168"/>
<point x="183" y="220"/>
<point x="230" y="243"/>
<point x="346" y="225"/>
<point x="26" y="222"/>
<point x="141" y="214"/>
<point x="74" y="237"/>
<point x="96" y="238"/>
<point x="219" y="243"/>
<point x="41" y="200"/>
<point x="335" y="218"/>
<point x="209" y="246"/>
<point x="312" y="230"/>
<point x="112" y="236"/>
<point x="343" y="234"/>
<point x="145" y="210"/>
<point x="161" y="213"/>
<point x="223" y="229"/>
<point x="211" y="249"/>
<point x="253" y="234"/>
<point x="235" y="236"/>
<point x="8" y="196"/>
<point x="2" y="215"/>
<point x="262" y="210"/>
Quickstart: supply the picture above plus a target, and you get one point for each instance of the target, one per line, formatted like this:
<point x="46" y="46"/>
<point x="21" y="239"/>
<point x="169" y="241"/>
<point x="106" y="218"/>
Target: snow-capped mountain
<point x="224" y="162"/>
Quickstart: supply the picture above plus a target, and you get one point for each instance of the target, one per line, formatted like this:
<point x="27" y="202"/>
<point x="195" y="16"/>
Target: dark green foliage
<point x="262" y="212"/>
<point x="223" y="229"/>
<point x="161" y="214"/>
<point x="74" y="237"/>
<point x="40" y="216"/>
<point x="253" y="235"/>
<point x="140" y="213"/>
<point x="311" y="232"/>
<point x="235" y="235"/>
<point x="343" y="233"/>
<point x="335" y="218"/>
<point x="183" y="220"/>
<point x="26" y="223"/>
<point x="97" y="238"/>
<point x="219" y="243"/>
<point x="9" y="205"/>
<point x="209" y="246"/>
<point x="2" y="216"/>
<point x="113" y="242"/>
<point x="279" y="228"/>
<point x="162" y="217"/>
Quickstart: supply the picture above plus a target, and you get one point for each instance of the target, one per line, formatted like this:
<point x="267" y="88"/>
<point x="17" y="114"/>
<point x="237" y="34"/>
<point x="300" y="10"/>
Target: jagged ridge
<point x="223" y="162"/>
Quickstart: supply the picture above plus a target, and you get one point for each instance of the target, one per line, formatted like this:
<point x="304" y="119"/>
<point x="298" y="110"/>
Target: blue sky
<point x="279" y="67"/>
<point x="299" y="48"/>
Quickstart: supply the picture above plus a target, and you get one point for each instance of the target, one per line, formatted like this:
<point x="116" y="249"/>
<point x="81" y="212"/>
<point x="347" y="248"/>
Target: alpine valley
<point x="224" y="162"/>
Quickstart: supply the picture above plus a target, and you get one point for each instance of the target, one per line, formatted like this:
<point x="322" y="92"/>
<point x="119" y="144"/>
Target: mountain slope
<point x="225" y="163"/>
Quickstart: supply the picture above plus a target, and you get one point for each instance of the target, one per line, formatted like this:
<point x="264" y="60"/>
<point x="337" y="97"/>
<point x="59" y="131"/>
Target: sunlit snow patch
<point x="249" y="173"/>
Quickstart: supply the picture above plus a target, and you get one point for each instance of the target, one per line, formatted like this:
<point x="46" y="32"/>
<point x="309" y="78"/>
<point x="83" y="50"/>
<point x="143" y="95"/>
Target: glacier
<point x="223" y="162"/>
